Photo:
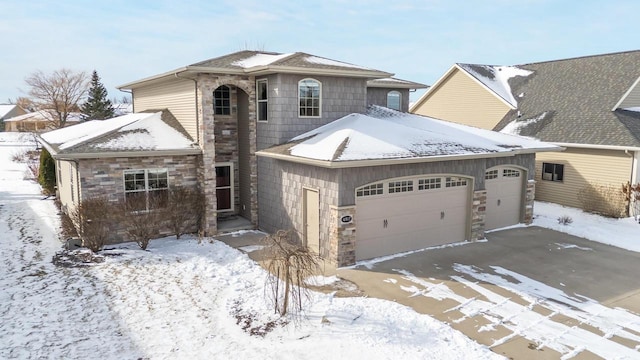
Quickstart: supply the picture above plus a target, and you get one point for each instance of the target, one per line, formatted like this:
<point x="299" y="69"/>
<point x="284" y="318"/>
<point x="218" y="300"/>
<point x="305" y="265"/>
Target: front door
<point x="312" y="220"/>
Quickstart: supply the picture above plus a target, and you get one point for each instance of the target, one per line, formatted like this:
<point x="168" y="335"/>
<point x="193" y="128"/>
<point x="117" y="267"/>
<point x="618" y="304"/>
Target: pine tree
<point x="98" y="106"/>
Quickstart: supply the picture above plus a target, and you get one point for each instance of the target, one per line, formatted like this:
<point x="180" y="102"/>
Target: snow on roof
<point x="5" y="108"/>
<point x="324" y="61"/>
<point x="260" y="60"/>
<point x="139" y="131"/>
<point x="41" y="115"/>
<point x="636" y="109"/>
<point x="386" y="134"/>
<point x="497" y="78"/>
<point x="516" y="126"/>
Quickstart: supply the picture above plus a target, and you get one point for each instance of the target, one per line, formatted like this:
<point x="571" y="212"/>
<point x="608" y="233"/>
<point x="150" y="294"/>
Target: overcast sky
<point x="416" y="40"/>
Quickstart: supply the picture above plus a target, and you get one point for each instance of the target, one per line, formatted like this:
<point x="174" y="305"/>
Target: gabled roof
<point x="570" y="101"/>
<point x="138" y="134"/>
<point x="262" y="63"/>
<point x="395" y="83"/>
<point x="42" y="115"/>
<point x="5" y="109"/>
<point x="385" y="136"/>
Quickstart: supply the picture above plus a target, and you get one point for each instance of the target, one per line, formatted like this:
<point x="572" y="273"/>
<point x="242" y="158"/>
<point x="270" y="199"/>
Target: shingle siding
<point x="378" y="96"/>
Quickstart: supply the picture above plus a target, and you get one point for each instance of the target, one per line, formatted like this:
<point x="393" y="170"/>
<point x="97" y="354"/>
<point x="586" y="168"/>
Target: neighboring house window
<point x="146" y="189"/>
<point x="309" y="94"/>
<point x="224" y="187"/>
<point x="394" y="100"/>
<point x="222" y="101"/>
<point x="552" y="172"/>
<point x="261" y="97"/>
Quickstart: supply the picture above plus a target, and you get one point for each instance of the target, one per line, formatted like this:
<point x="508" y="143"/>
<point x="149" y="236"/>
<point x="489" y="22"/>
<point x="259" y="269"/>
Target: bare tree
<point x="58" y="93"/>
<point x="23" y="102"/>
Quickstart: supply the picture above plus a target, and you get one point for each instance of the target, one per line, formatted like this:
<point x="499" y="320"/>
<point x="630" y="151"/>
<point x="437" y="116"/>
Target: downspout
<point x="195" y="84"/>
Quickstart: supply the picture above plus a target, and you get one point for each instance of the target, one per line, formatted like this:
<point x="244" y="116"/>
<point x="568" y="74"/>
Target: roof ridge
<point x="580" y="57"/>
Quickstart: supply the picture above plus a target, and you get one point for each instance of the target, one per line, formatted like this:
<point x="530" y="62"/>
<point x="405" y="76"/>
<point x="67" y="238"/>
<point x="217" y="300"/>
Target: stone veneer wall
<point x="529" y="200"/>
<point x="216" y="151"/>
<point x="105" y="176"/>
<point x="478" y="210"/>
<point x="342" y="236"/>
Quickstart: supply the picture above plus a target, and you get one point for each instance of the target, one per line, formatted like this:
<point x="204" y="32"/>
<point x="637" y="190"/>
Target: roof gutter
<point x="121" y="154"/>
<point x="399" y="161"/>
<point x="593" y="146"/>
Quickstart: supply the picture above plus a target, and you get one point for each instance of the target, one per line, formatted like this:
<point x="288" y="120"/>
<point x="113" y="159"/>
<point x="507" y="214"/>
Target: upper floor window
<point x="261" y="98"/>
<point x="552" y="172"/>
<point x="309" y="93"/>
<point x="394" y="100"/>
<point x="222" y="101"/>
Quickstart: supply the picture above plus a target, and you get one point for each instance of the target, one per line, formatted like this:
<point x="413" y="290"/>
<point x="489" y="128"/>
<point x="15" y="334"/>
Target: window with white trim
<point x="394" y="100"/>
<point x="146" y="189"/>
<point x="400" y="186"/>
<point x="222" y="101"/>
<point x="309" y="95"/>
<point x="491" y="174"/>
<point x="510" y="173"/>
<point x="552" y="172"/>
<point x="373" y="189"/>
<point x="428" y="184"/>
<point x="224" y="187"/>
<point x="262" y="99"/>
<point x="455" y="181"/>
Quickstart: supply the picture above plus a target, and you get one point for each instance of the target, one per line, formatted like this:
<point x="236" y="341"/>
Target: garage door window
<point x="400" y="186"/>
<point x="373" y="189"/>
<point x="455" y="181"/>
<point x="427" y="184"/>
<point x="510" y="173"/>
<point x="491" y="174"/>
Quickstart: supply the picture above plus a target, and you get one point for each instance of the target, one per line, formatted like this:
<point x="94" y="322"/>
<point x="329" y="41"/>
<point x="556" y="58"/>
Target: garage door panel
<point x="504" y="199"/>
<point x="414" y="220"/>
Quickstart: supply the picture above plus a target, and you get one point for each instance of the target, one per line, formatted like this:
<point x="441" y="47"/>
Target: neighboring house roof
<point x="122" y="109"/>
<point x="569" y="101"/>
<point x="385" y="136"/>
<point x="262" y="63"/>
<point x="152" y="133"/>
<point x="395" y="83"/>
<point x="41" y="115"/>
<point x="6" y="109"/>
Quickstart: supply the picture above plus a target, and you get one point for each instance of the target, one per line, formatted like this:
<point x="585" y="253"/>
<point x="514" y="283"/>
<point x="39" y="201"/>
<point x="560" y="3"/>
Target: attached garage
<point x="505" y="189"/>
<point x="404" y="214"/>
<point x="385" y="182"/>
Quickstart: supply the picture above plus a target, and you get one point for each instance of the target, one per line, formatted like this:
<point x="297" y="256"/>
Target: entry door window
<point x="224" y="187"/>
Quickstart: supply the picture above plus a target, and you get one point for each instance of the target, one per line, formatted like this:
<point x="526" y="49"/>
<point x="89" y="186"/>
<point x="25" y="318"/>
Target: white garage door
<point x="399" y="215"/>
<point x="504" y="197"/>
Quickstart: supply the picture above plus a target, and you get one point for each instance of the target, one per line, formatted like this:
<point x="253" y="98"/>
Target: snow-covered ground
<point x="178" y="300"/>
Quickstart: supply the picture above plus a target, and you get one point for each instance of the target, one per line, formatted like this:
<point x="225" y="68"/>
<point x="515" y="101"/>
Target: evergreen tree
<point x="98" y="106"/>
<point x="47" y="172"/>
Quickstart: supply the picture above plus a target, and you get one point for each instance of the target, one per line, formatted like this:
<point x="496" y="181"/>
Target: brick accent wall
<point x="219" y="141"/>
<point x="342" y="236"/>
<point x="529" y="200"/>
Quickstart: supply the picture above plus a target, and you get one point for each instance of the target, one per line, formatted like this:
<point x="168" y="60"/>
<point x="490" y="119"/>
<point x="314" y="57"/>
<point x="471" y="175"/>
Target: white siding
<point x="177" y="95"/>
<point x="67" y="184"/>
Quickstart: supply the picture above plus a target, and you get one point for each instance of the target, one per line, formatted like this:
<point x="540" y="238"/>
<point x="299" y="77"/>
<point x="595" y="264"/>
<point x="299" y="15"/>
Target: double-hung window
<point x="262" y="98"/>
<point x="309" y="94"/>
<point x="146" y="189"/>
<point x="552" y="172"/>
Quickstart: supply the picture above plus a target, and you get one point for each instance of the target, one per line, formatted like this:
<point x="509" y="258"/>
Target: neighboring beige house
<point x="37" y="121"/>
<point x="8" y="111"/>
<point x="588" y="105"/>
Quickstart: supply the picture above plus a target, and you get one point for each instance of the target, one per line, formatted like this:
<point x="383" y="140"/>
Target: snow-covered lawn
<point x="178" y="300"/>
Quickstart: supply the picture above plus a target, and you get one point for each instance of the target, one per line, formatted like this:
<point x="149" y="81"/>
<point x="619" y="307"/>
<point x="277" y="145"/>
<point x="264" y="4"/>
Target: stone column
<point x="529" y="200"/>
<point x="342" y="236"/>
<point x="479" y="209"/>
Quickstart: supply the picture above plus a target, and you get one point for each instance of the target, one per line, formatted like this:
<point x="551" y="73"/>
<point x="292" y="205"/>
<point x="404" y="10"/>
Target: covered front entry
<point x="404" y="214"/>
<point x="505" y="187"/>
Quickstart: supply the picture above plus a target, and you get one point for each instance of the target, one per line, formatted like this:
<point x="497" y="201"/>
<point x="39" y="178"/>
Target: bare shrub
<point x="141" y="224"/>
<point x="565" y="220"/>
<point x="605" y="200"/>
<point x="632" y="196"/>
<point x="288" y="264"/>
<point x="33" y="170"/>
<point x="93" y="219"/>
<point x="184" y="210"/>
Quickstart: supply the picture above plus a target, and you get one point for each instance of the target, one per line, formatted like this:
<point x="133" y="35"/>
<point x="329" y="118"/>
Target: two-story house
<point x="297" y="141"/>
<point x="588" y="105"/>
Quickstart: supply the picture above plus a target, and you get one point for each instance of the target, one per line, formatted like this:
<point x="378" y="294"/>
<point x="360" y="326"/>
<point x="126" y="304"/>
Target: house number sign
<point x="347" y="219"/>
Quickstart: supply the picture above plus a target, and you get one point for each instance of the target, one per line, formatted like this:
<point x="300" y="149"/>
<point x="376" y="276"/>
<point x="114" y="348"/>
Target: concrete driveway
<point x="527" y="293"/>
